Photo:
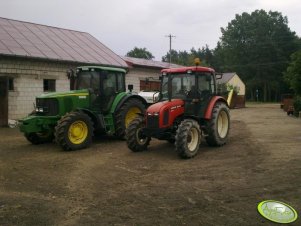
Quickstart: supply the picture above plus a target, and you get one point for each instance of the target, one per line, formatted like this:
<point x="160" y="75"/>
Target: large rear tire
<point x="135" y="139"/>
<point x="219" y="125"/>
<point x="188" y="138"/>
<point x="74" y="131"/>
<point x="126" y="114"/>
<point x="39" y="138"/>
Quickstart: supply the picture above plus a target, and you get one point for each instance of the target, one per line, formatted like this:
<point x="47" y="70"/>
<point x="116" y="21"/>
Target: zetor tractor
<point x="97" y="103"/>
<point x="189" y="109"/>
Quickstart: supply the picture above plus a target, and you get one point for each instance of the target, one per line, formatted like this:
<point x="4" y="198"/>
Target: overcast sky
<point x="123" y="24"/>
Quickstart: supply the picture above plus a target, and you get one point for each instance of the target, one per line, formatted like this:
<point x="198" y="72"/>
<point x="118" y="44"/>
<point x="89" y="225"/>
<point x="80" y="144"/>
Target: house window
<point x="11" y="84"/>
<point x="49" y="85"/>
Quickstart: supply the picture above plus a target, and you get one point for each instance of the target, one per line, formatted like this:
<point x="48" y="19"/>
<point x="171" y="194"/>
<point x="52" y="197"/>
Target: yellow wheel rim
<point x="78" y="132"/>
<point x="131" y="115"/>
<point x="192" y="139"/>
<point x="222" y="124"/>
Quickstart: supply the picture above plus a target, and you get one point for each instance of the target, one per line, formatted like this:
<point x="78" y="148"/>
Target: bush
<point x="297" y="105"/>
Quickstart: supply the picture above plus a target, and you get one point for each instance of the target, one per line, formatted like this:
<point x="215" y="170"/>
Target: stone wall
<point x="28" y="76"/>
<point x="136" y="74"/>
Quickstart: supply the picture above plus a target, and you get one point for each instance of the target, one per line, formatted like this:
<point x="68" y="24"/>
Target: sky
<point x="122" y="25"/>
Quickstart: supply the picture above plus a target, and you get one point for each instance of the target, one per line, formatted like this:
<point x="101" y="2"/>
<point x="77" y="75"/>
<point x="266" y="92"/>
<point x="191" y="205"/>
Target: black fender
<point x="130" y="96"/>
<point x="98" y="120"/>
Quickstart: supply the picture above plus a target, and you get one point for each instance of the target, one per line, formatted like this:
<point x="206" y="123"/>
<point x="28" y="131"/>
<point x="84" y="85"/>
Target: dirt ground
<point x="107" y="184"/>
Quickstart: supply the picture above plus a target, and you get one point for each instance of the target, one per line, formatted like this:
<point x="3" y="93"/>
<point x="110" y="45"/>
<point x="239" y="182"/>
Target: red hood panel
<point x="165" y="104"/>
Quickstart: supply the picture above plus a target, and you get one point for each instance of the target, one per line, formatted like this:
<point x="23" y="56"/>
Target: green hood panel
<point x="83" y="92"/>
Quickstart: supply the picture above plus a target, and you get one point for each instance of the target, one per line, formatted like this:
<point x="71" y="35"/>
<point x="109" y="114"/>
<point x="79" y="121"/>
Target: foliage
<point x="187" y="58"/>
<point x="257" y="47"/>
<point x="293" y="73"/>
<point x="140" y="53"/>
<point x="224" y="88"/>
<point x="297" y="105"/>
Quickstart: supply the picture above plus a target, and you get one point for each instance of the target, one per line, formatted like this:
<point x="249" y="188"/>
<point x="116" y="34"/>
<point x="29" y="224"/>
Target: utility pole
<point x="170" y="37"/>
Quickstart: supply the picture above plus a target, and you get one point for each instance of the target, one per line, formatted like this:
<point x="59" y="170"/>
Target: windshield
<point x="88" y="79"/>
<point x="181" y="84"/>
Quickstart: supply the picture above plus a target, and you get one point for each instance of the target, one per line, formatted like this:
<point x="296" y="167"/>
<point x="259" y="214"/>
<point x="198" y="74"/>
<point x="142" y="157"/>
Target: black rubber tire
<point x="135" y="140"/>
<point x="63" y="126"/>
<point x="120" y="115"/>
<point x="188" y="138"/>
<point x="171" y="141"/>
<point x="39" y="138"/>
<point x="213" y="138"/>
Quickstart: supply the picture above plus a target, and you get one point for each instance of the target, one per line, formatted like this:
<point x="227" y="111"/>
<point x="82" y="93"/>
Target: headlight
<point x="39" y="110"/>
<point x="156" y="113"/>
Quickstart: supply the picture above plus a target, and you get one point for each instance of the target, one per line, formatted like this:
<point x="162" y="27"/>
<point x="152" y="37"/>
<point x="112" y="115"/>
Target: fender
<point x="125" y="98"/>
<point x="211" y="104"/>
<point x="97" y="120"/>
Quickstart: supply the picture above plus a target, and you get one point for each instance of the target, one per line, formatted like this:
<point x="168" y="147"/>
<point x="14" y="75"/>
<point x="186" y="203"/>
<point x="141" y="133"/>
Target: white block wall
<point x="136" y="74"/>
<point x="28" y="76"/>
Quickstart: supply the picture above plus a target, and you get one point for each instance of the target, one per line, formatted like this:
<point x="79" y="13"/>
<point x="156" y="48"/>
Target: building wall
<point x="28" y="80"/>
<point x="136" y="74"/>
<point x="236" y="81"/>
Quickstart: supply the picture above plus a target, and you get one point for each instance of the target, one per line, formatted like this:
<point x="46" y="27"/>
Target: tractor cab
<point x="103" y="84"/>
<point x="194" y="85"/>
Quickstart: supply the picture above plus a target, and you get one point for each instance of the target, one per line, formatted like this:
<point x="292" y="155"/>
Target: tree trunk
<point x="269" y="92"/>
<point x="265" y="92"/>
<point x="251" y="95"/>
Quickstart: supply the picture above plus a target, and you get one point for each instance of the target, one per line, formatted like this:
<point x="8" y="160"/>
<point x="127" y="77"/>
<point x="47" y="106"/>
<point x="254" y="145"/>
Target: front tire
<point x="135" y="139"/>
<point x="219" y="125"/>
<point x="39" y="138"/>
<point x="188" y="138"/>
<point x="126" y="114"/>
<point x="74" y="131"/>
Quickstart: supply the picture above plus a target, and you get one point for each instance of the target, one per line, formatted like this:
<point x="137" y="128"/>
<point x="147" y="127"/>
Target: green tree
<point x="293" y="73"/>
<point x="187" y="58"/>
<point x="140" y="53"/>
<point x="257" y="46"/>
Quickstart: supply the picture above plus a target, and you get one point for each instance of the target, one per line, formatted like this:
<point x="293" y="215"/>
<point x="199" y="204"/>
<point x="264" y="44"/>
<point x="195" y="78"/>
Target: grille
<point x="49" y="106"/>
<point x="152" y="121"/>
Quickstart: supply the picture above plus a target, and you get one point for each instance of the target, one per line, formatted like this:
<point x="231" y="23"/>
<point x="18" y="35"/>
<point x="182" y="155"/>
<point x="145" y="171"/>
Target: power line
<point x="170" y="37"/>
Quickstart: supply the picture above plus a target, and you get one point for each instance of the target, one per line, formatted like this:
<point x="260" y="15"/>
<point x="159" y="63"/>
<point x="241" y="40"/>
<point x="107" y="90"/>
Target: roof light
<point x="197" y="61"/>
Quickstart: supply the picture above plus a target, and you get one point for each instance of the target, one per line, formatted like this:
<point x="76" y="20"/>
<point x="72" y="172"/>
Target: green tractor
<point x="98" y="102"/>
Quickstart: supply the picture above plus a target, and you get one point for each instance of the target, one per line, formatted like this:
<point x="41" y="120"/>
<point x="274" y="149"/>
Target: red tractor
<point x="189" y="109"/>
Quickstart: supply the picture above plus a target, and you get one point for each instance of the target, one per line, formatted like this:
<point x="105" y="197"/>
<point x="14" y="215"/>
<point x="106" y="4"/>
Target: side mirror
<point x="70" y="73"/>
<point x="218" y="76"/>
<point x="130" y="87"/>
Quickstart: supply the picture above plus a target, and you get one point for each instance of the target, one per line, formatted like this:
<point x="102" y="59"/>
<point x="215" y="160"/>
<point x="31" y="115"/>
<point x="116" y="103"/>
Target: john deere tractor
<point x="189" y="109"/>
<point x="97" y="103"/>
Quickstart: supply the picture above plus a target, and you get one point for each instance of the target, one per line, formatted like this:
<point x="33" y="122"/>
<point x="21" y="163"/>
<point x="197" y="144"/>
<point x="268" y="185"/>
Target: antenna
<point x="170" y="37"/>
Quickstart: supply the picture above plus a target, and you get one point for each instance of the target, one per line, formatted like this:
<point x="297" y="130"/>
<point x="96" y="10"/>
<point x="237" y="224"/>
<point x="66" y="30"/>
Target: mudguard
<point x="208" y="112"/>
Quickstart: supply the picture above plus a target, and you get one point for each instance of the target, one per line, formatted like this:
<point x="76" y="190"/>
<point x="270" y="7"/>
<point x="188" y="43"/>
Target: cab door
<point x="112" y="84"/>
<point x="199" y="94"/>
<point x="3" y="101"/>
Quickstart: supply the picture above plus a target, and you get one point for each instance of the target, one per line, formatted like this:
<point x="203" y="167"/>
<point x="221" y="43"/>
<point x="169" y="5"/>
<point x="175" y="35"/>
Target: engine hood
<point x="173" y="104"/>
<point x="83" y="92"/>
